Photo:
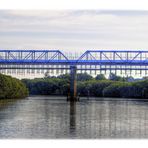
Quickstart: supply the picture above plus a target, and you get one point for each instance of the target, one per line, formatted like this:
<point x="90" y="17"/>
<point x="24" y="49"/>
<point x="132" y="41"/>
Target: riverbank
<point x="12" y="88"/>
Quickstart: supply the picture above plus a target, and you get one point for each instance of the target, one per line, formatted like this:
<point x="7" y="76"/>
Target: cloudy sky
<point x="73" y="30"/>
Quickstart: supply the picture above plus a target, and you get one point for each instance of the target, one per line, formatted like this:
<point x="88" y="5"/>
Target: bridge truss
<point x="122" y="62"/>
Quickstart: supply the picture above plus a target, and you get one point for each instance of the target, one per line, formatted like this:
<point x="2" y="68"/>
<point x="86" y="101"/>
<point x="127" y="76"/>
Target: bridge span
<point x="104" y="59"/>
<point x="109" y="61"/>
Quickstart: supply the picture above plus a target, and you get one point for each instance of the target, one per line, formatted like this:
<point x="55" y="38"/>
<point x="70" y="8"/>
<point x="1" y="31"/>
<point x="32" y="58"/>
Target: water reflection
<point x="72" y="120"/>
<point x="42" y="117"/>
<point x="5" y="103"/>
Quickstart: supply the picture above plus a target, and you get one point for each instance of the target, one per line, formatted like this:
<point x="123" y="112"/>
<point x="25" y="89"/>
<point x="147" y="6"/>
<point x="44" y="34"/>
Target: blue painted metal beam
<point x="71" y="62"/>
<point x="90" y="57"/>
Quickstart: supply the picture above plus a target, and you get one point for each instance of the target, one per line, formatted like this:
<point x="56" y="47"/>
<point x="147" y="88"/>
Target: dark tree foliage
<point x="97" y="87"/>
<point x="87" y="85"/>
<point x="100" y="77"/>
<point x="114" y="77"/>
<point x="47" y="86"/>
<point x="118" y="89"/>
<point x="11" y="88"/>
<point x="64" y="76"/>
<point x="137" y="89"/>
<point x="84" y="77"/>
<point x="93" y="87"/>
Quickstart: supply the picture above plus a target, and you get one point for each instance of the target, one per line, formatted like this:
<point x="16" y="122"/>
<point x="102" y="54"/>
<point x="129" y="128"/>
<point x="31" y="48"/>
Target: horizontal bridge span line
<point x="3" y="50"/>
<point x="35" y="68"/>
<point x="70" y="61"/>
<point x="73" y="62"/>
<point x="50" y="50"/>
<point x="64" y="68"/>
<point x="117" y="50"/>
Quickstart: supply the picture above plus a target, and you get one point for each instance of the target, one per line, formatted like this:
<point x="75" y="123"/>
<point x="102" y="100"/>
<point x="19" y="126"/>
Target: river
<point x="46" y="117"/>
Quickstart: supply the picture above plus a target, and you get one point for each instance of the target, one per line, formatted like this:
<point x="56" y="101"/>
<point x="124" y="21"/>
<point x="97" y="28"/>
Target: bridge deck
<point x="101" y="59"/>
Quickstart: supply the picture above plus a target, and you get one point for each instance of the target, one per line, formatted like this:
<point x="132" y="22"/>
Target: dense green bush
<point x="141" y="88"/>
<point x="86" y="85"/>
<point x="47" y="86"/>
<point x="117" y="89"/>
<point x="11" y="88"/>
<point x="100" y="77"/>
<point x="127" y="89"/>
<point x="84" y="77"/>
<point x="82" y="88"/>
<point x="93" y="87"/>
<point x="97" y="87"/>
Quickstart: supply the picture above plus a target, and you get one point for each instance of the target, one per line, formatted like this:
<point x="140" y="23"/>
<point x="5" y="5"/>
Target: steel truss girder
<point x="90" y="57"/>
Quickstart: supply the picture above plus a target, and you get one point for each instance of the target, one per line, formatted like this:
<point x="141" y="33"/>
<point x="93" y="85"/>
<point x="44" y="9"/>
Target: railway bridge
<point x="117" y="61"/>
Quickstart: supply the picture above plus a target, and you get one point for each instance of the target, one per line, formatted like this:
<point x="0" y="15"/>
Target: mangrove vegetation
<point x="11" y="88"/>
<point x="100" y="86"/>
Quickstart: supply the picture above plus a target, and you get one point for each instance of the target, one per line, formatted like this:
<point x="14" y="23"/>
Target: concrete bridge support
<point x="73" y="83"/>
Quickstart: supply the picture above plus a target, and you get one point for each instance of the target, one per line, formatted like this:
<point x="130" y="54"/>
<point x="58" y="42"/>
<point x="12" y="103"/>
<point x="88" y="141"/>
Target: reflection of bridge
<point x="120" y="61"/>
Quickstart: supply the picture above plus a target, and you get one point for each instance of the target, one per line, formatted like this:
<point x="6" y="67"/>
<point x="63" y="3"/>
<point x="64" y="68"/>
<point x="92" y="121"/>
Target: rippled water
<point x="53" y="117"/>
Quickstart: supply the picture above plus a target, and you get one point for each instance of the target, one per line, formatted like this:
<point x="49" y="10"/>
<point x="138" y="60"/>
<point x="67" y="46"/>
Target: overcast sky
<point x="73" y="30"/>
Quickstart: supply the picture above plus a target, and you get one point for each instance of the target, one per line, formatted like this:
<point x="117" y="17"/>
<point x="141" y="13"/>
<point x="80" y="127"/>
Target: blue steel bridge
<point x="108" y="61"/>
<point x="93" y="61"/>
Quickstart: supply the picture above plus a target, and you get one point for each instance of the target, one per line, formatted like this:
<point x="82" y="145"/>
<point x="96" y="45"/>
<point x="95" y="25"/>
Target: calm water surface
<point x="53" y="117"/>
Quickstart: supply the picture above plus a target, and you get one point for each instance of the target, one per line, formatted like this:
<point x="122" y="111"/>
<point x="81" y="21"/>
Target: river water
<point x="44" y="117"/>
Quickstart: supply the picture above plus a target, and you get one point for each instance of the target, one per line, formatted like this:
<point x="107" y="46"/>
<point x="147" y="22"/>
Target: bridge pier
<point x="73" y="84"/>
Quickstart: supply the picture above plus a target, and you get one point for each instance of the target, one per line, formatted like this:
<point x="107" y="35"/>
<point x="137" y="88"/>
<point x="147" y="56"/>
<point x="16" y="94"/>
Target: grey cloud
<point x="73" y="29"/>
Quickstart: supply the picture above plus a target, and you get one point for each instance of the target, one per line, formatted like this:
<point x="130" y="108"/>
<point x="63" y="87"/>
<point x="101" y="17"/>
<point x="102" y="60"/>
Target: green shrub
<point x="11" y="88"/>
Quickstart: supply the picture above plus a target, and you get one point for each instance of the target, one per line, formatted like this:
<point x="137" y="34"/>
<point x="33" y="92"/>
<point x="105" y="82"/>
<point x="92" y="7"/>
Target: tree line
<point x="11" y="88"/>
<point x="114" y="86"/>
